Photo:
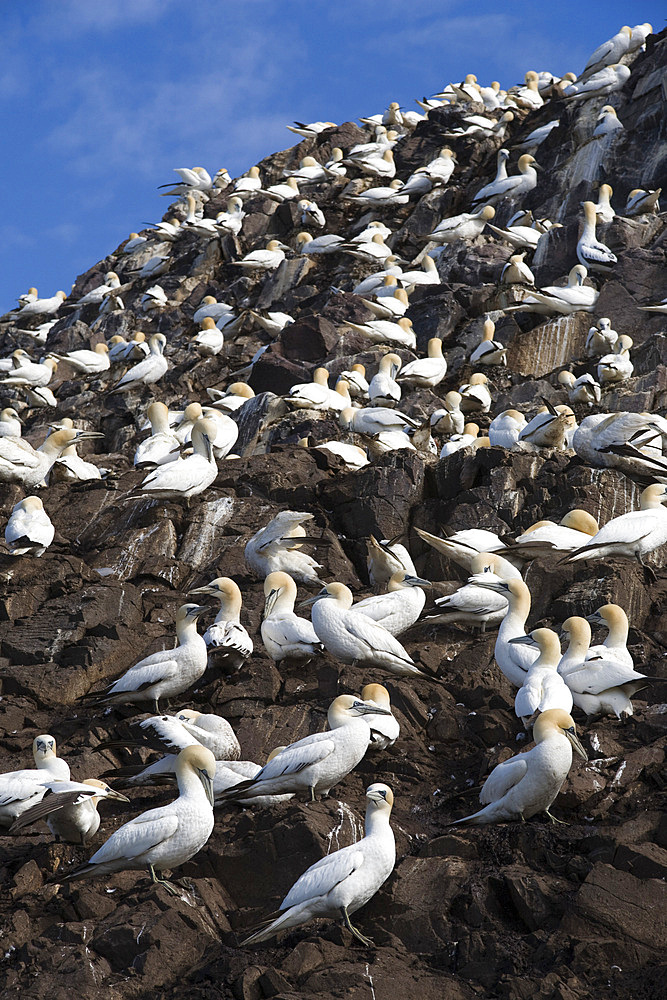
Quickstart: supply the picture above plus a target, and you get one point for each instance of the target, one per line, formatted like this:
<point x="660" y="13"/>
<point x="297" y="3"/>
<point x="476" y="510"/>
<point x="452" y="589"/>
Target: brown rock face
<point x="519" y="910"/>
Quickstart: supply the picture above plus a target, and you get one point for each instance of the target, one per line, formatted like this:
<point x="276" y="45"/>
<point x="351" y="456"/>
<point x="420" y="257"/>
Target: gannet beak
<point x="203" y="590"/>
<point x="270" y="601"/>
<point x="524" y="640"/>
<point x="208" y="784"/>
<point x="311" y="600"/>
<point x="416" y="581"/>
<point x="370" y="708"/>
<point x="113" y="794"/>
<point x="376" y="796"/>
<point x="88" y="435"/>
<point x="198" y="610"/>
<point x="499" y="586"/>
<point x="574" y="740"/>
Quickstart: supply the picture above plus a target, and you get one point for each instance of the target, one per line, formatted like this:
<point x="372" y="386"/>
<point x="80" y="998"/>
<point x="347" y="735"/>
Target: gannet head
<point x="653" y="496"/>
<point x="275" y="585"/>
<point x="580" y="520"/>
<point x="390" y="364"/>
<point x="201" y="761"/>
<point x="579" y="273"/>
<point x="555" y="719"/>
<point x="545" y="639"/>
<point x="346" y="417"/>
<point x="29" y="504"/>
<point x="208" y="323"/>
<point x="9" y="413"/>
<point x="188" y="613"/>
<point x="157" y="343"/>
<point x="223" y="588"/>
<point x="452" y="399"/>
<point x="101" y="349"/>
<point x="376" y="693"/>
<point x="380" y="797"/>
<point x="401" y="579"/>
<point x="240" y="389"/>
<point x="43" y="747"/>
<point x="608" y="615"/>
<point x="334" y="591"/>
<point x="526" y="161"/>
<point x="106" y="792"/>
<point x="346" y="707"/>
<point x="577" y="630"/>
<point x="193" y="411"/>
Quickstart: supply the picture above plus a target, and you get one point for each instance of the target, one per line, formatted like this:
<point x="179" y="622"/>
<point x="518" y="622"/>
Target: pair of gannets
<point x="148" y="371"/>
<point x="29" y="529"/>
<point x="543" y="687"/>
<point x="400" y="607"/>
<point x="43" y="307"/>
<point x="514" y="186"/>
<point x="581" y="390"/>
<point x="227" y="639"/>
<point x="167" y="836"/>
<point x="574" y="297"/>
<point x="167" y="673"/>
<point x="29" y="373"/>
<point x="632" y="535"/>
<point x="341" y="883"/>
<point x="529" y="782"/>
<point x="277" y="547"/>
<point x="163" y="445"/>
<point x="600" y="681"/>
<point x="631" y="442"/>
<point x="465" y="226"/>
<point x="70" y="810"/>
<point x="317" y="395"/>
<point x="19" y="790"/>
<point x="616" y="367"/>
<point x="604" y="81"/>
<point x="187" y="477"/>
<point x="545" y="537"/>
<point x="316" y="763"/>
<point x="20" y="463"/>
<point x="87" y="362"/>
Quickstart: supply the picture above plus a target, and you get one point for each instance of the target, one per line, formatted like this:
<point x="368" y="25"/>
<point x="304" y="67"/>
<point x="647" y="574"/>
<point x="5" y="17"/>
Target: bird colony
<point x="343" y="490"/>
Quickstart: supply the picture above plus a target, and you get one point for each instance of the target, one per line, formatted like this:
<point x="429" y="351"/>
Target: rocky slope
<point x="516" y="911"/>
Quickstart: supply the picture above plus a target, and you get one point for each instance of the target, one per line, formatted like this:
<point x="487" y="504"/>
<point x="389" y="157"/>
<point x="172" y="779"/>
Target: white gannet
<point x="309" y="171"/>
<point x="601" y="339"/>
<point x="489" y="351"/>
<point x="388" y="306"/>
<point x="511" y="187"/>
<point x="263" y="260"/>
<point x="311" y="129"/>
<point x="311" y="213"/>
<point x="616" y="367"/>
<point x="384" y="558"/>
<point x="96" y="295"/>
<point x="385" y="729"/>
<point x="505" y="428"/>
<point x="385" y="331"/>
<point x="459" y="441"/>
<point x="19" y="463"/>
<point x="604" y="81"/>
<point x="545" y="537"/>
<point x="463" y="546"/>
<point x="87" y="362"/>
<point x="248" y="183"/>
<point x="231" y="220"/>
<point x="69" y="465"/>
<point x="608" y="52"/>
<point x="163" y="445"/>
<point x="502" y="156"/>
<point x="371" y="251"/>
<point x="581" y="390"/>
<point x="574" y="297"/>
<point x="520" y="236"/>
<point x="613" y="618"/>
<point x="591" y="253"/>
<point x="428" y="275"/>
<point x="226" y="638"/>
<point x="232" y="398"/>
<point x="475" y="397"/>
<point x="276" y="547"/>
<point x="342" y="882"/>
<point x="286" y="191"/>
<point x="400" y="607"/>
<point x="603" y="209"/>
<point x="19" y="790"/>
<point x="317" y="395"/>
<point x="284" y="634"/>
<point x="379" y="164"/>
<point x="190" y="476"/>
<point x="529" y="97"/>
<point x="209" y="340"/>
<point x="175" y="732"/>
<point x="551" y="427"/>
<point x="30" y="373"/>
<point x="210" y="308"/>
<point x="516" y="272"/>
<point x="308" y="244"/>
<point x="543" y="688"/>
<point x="167" y="673"/>
<point x="10" y="423"/>
<point x="375" y="197"/>
<point x="465" y="226"/>
<point x="631" y="442"/>
<point x="641" y="202"/>
<point x="167" y="836"/>
<point x="70" y="810"/>
<point x="373" y="420"/>
<point x="632" y="535"/>
<point x="607" y="122"/>
<point x="226" y="431"/>
<point x="43" y="307"/>
<point x="29" y="529"/>
<point x="640" y="33"/>
<point x="352" y="455"/>
<point x="427" y="372"/>
<point x="513" y="660"/>
<point x="383" y="389"/>
<point x="351" y="637"/>
<point x="537" y="136"/>
<point x="472" y="604"/>
<point x="148" y="371"/>
<point x="450" y="419"/>
<point x="186" y="421"/>
<point x="529" y="782"/>
<point x="602" y="685"/>
<point x="316" y="763"/>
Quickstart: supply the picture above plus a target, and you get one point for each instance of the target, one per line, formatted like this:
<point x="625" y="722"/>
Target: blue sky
<point x="103" y="98"/>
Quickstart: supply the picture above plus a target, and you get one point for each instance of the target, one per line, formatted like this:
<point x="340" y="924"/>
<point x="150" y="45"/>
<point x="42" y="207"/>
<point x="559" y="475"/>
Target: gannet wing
<point x="58" y="795"/>
<point x="528" y="698"/>
<point x="20" y="785"/>
<point x="374" y="636"/>
<point x="145" y="674"/>
<point x="138" y="836"/>
<point x="503" y="777"/>
<point x="298" y="756"/>
<point x="594" y="676"/>
<point x="166" y="731"/>
<point x="324" y="876"/>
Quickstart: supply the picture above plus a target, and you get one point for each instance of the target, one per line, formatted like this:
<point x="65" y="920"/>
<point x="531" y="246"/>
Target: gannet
<point x="505" y="428"/>
<point x="30" y="296"/>
<point x="87" y="362"/>
<point x="352" y="455"/>
<point x="551" y="427"/>
<point x="175" y="732"/>
<point x="10" y="423"/>
<point x="613" y="618"/>
<point x="604" y="81"/>
<point x="466" y="226"/>
<point x="248" y="183"/>
<point x="592" y="254"/>
<point x="167" y="836"/>
<point x="543" y="688"/>
<point x="271" y="322"/>
<point x="226" y="433"/>
<point x="581" y="390"/>
<point x="226" y="638"/>
<point x="489" y="351"/>
<point x="374" y="283"/>
<point x="317" y="395"/>
<point x="370" y="251"/>
<point x="641" y="202"/>
<point x="616" y="367"/>
<point x="186" y="421"/>
<point x="190" y="476"/>
<point x="319" y="244"/>
<point x="631" y="442"/>
<point x="400" y="607"/>
<point x="385" y="729"/>
<point x="231" y="220"/>
<point x="603" y="209"/>
<point x="377" y="164"/>
<point x="458" y="441"/>
<point x="429" y="275"/>
<point x="502" y="156"/>
<point x="521" y="237"/>
<point x="574" y="297"/>
<point x="516" y="272"/>
<point x="308" y="172"/>
<point x="385" y="558"/>
<point x="19" y="463"/>
<point x="374" y="420"/>
<point x="383" y="389"/>
<point x="388" y="306"/>
<point x="312" y="129"/>
<point x="29" y="529"/>
<point x="391" y="194"/>
<point x="374" y="228"/>
<point x="601" y="339"/>
<point x="463" y="546"/>
<point x="640" y="33"/>
<point x="529" y="782"/>
<point x="513" y="660"/>
<point x="384" y="331"/>
<point x="43" y="307"/>
<point x="210" y="308"/>
<point x="70" y="811"/>
<point x="284" y="634"/>
<point x="148" y="371"/>
<point x="632" y="535"/>
<point x="276" y="547"/>
<point x="657" y="307"/>
<point x="96" y="295"/>
<point x="426" y="372"/>
<point x="608" y="52"/>
<point x="263" y="260"/>
<point x="192" y="179"/>
<point x="601" y="685"/>
<point x="311" y="213"/>
<point x="475" y="397"/>
<point x="316" y="763"/>
<point x="19" y="790"/>
<point x="30" y="373"/>
<point x="545" y="537"/>
<point x="282" y="192"/>
<point x="163" y="445"/>
<point x="449" y="420"/>
<point x="607" y="122"/>
<point x="511" y="187"/>
<point x="472" y="604"/>
<point x="209" y="340"/>
<point x="351" y="637"/>
<point x="342" y="882"/>
<point x="167" y="673"/>
<point x="232" y="398"/>
<point x="537" y="136"/>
